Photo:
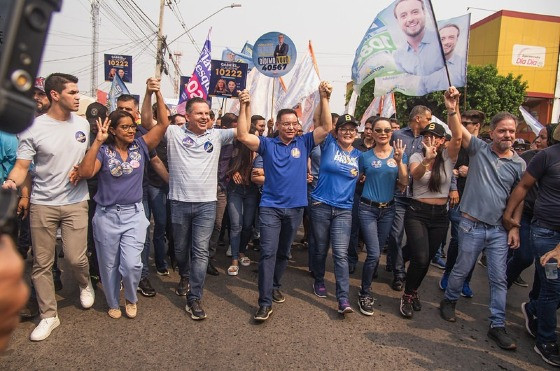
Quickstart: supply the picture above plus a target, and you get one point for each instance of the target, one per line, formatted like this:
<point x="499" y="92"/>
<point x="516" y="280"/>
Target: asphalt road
<point x="305" y="332"/>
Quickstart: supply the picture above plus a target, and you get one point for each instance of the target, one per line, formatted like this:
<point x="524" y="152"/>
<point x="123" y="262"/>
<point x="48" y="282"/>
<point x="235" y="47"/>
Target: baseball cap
<point x="95" y="110"/>
<point x="346" y="119"/>
<point x="435" y="129"/>
<point x="40" y="84"/>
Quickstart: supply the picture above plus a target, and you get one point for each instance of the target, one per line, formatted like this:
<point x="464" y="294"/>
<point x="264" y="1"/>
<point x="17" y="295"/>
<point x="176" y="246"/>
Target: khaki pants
<point x="73" y="222"/>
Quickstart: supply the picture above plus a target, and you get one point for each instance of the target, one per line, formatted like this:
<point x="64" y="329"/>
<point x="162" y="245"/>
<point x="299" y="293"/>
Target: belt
<point x="538" y="223"/>
<point x="380" y="205"/>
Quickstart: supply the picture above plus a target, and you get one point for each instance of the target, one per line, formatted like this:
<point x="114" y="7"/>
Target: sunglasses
<point x="379" y="130"/>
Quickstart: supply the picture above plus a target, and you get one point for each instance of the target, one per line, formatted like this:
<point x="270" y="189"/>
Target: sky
<point x="335" y="29"/>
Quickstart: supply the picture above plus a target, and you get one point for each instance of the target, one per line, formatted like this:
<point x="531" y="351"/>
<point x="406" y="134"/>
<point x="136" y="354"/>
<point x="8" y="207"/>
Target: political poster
<point x="227" y="78"/>
<point x="402" y="51"/>
<point x="118" y="64"/>
<point x="274" y="54"/>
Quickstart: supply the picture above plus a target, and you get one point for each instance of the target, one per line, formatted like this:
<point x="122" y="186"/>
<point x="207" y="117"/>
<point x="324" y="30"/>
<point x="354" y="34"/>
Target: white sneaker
<point x="87" y="296"/>
<point x="228" y="252"/>
<point x="44" y="328"/>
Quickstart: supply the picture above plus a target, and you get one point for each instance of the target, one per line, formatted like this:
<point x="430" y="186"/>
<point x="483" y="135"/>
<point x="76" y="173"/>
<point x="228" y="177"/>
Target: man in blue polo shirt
<point x="285" y="190"/>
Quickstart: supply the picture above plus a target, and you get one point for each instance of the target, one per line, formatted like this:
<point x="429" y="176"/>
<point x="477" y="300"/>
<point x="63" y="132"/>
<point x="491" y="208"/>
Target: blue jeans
<point x="278" y="229"/>
<point x="375" y="224"/>
<point x="354" y="233"/>
<point x="453" y="249"/>
<point x="473" y="238"/>
<point x="311" y="243"/>
<point x="157" y="198"/>
<point x="544" y="240"/>
<point x="396" y="237"/>
<point x="241" y="203"/>
<point x="522" y="257"/>
<point x="193" y="223"/>
<point x="334" y="224"/>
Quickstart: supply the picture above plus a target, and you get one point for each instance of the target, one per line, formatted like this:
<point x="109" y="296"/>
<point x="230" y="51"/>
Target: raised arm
<point x="250" y="140"/>
<point x="146" y="116"/>
<point x="454" y="120"/>
<point x="325" y="122"/>
<point x="90" y="165"/>
<point x="156" y="133"/>
<point x="451" y="98"/>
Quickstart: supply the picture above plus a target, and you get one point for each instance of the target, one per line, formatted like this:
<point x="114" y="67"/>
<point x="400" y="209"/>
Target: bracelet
<point x="11" y="180"/>
<point x="23" y="196"/>
<point x="451" y="113"/>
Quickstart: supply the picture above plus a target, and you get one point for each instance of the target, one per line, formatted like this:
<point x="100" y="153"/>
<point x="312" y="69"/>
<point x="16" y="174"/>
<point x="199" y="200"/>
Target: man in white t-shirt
<point x="193" y="152"/>
<point x="56" y="142"/>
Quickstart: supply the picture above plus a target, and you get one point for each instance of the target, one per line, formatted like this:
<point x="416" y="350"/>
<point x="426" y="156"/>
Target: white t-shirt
<point x="420" y="187"/>
<point x="55" y="147"/>
<point x="193" y="162"/>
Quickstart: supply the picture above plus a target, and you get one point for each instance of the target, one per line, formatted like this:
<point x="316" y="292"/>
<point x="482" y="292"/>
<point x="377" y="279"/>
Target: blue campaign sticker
<point x="274" y="54"/>
<point x="188" y="141"/>
<point x="208" y="147"/>
<point x="80" y="136"/>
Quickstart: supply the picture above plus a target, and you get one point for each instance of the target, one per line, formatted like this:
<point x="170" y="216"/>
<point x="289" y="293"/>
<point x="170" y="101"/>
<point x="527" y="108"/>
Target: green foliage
<point x="486" y="91"/>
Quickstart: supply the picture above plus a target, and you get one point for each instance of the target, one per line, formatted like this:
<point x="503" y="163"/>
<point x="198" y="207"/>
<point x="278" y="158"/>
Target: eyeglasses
<point x="379" y="130"/>
<point x="347" y="130"/>
<point x="128" y="127"/>
<point x="465" y="123"/>
<point x="289" y="124"/>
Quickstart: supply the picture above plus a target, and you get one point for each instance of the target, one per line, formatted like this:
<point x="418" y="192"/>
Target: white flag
<point x="532" y="122"/>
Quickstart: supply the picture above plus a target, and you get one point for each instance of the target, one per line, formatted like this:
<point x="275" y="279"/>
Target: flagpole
<point x="272" y="105"/>
<point x="439" y="41"/>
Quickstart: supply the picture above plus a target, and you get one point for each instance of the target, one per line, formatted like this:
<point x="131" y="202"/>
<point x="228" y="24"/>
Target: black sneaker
<point x="277" y="296"/>
<point x="256" y="244"/>
<point x="531" y="322"/>
<point x="501" y="337"/>
<point x="195" y="309"/>
<point x="397" y="284"/>
<point x="263" y="313"/>
<point x="211" y="270"/>
<point x="549" y="353"/>
<point x="31" y="309"/>
<point x="365" y="303"/>
<point x="520" y="282"/>
<point x="162" y="272"/>
<point x="416" y="305"/>
<point x="406" y="306"/>
<point x="145" y="288"/>
<point x="447" y="310"/>
<point x="183" y="287"/>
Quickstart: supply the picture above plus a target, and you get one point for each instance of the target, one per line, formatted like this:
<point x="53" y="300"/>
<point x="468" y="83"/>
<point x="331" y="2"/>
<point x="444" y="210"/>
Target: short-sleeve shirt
<point x="119" y="181"/>
<point x="426" y="60"/>
<point x="338" y="174"/>
<point x="490" y="182"/>
<point x="381" y="175"/>
<point x="55" y="147"/>
<point x="285" y="169"/>
<point x="193" y="162"/>
<point x="8" y="150"/>
<point x="420" y="186"/>
<point x="545" y="168"/>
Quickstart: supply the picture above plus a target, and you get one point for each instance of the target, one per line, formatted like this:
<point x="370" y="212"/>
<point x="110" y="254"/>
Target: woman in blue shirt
<point x="382" y="166"/>
<point x="119" y="223"/>
<point x="331" y="207"/>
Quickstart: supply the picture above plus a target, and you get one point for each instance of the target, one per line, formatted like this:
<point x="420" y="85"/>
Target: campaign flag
<point x="388" y="106"/>
<point x="118" y="88"/>
<point x="406" y="56"/>
<point x="532" y="122"/>
<point x="231" y="56"/>
<point x="199" y="83"/>
<point x="373" y="109"/>
<point x="247" y="49"/>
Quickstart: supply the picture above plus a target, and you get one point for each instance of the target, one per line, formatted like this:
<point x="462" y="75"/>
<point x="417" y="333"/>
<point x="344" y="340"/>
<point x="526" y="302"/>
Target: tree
<point x="486" y="91"/>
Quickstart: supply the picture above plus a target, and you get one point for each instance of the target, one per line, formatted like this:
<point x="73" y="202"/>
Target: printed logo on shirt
<point x="344" y="158"/>
<point x="391" y="162"/>
<point x="208" y="147"/>
<point x="188" y="142"/>
<point x="354" y="172"/>
<point x="376" y="164"/>
<point x="296" y="153"/>
<point x="80" y="136"/>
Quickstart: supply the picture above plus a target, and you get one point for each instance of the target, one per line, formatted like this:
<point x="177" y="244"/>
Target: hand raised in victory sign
<point x="431" y="149"/>
<point x="399" y="150"/>
<point x="102" y="130"/>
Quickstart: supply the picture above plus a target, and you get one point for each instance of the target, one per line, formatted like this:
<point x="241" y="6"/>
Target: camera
<point x="23" y="31"/>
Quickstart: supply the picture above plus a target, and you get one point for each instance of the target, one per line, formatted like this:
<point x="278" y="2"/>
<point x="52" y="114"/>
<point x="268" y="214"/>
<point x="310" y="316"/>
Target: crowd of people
<point x="99" y="180"/>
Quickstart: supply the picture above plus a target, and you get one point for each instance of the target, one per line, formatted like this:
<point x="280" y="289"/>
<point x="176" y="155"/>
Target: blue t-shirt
<point x="285" y="170"/>
<point x="8" y="151"/>
<point x="338" y="174"/>
<point x="381" y="176"/>
<point x="120" y="182"/>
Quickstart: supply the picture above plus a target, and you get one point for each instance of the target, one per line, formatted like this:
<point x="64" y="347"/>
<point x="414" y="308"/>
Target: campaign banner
<point x="401" y="50"/>
<point x="116" y="64"/>
<point x="199" y="83"/>
<point x="183" y="81"/>
<point x="247" y="49"/>
<point x="227" y="78"/>
<point x="229" y="55"/>
<point x="118" y="88"/>
<point x="274" y="54"/>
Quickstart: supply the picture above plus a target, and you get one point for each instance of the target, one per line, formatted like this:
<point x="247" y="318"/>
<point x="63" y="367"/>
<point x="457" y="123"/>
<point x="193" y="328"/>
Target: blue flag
<point x="118" y="88"/>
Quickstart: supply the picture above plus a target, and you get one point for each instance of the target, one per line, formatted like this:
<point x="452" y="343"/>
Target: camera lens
<point x="37" y="17"/>
<point x="21" y="80"/>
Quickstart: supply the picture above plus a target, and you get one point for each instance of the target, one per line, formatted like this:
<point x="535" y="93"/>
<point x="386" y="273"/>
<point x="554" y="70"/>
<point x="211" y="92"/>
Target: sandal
<point x="245" y="261"/>
<point x="233" y="270"/>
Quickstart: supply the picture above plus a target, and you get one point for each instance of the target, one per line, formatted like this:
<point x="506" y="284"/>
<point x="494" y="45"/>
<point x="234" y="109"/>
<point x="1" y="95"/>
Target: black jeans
<point x="426" y="228"/>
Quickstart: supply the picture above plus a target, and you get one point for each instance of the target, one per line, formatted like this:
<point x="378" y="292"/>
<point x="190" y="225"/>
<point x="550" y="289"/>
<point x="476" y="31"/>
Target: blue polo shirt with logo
<point x="285" y="170"/>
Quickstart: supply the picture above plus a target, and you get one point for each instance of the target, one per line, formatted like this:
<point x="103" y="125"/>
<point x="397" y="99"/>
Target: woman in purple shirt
<point x="119" y="223"/>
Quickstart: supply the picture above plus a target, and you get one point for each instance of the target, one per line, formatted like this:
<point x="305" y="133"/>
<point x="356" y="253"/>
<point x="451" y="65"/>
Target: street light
<point x="234" y="5"/>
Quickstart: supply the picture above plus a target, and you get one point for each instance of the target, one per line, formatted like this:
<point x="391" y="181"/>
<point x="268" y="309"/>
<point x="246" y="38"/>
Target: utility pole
<point x="177" y="76"/>
<point x="159" y="61"/>
<point x="94" y="45"/>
